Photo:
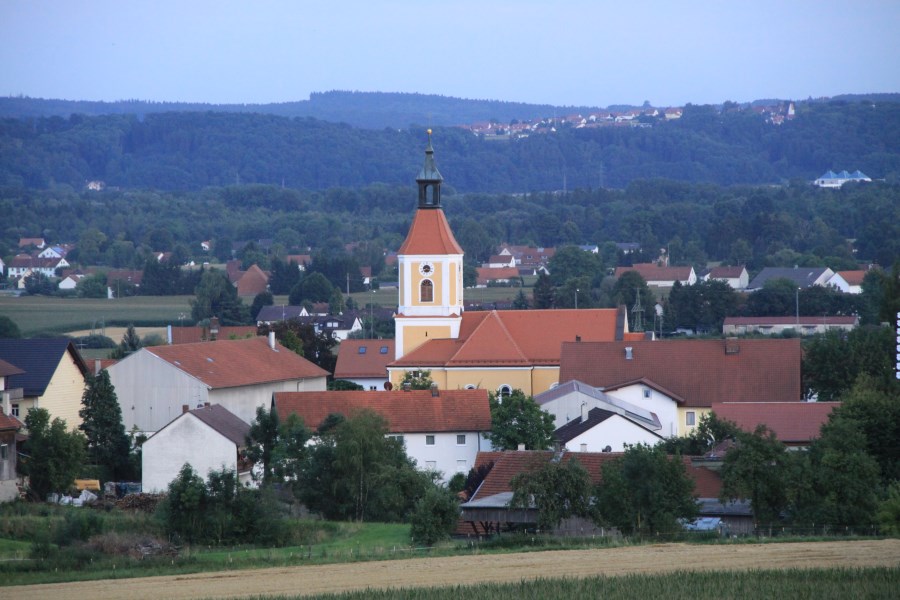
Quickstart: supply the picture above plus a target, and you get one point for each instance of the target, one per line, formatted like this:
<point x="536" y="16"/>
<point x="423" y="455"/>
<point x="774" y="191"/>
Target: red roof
<point x="853" y="277"/>
<point x="251" y="282"/>
<point x="700" y="371"/>
<point x="485" y="274"/>
<point x="9" y="422"/>
<point x="511" y="463"/>
<point x="430" y="234"/>
<point x="363" y="358"/>
<point x="792" y="422"/>
<point x="653" y="272"/>
<point x="234" y="363"/>
<point x="516" y="337"/>
<point x="406" y="412"/>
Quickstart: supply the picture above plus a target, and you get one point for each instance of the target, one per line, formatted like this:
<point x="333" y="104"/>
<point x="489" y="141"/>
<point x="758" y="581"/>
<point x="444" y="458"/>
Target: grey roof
<point x="271" y="314"/>
<point x="800" y="276"/>
<point x="639" y="415"/>
<point x="224" y="421"/>
<point x="576" y="427"/>
<point x="38" y="358"/>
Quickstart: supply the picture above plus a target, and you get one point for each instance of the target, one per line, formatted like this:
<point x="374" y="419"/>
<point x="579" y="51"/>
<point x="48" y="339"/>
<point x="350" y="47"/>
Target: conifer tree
<point x="107" y="443"/>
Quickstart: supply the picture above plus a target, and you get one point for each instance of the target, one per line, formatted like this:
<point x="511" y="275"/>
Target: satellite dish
<point x="388" y="386"/>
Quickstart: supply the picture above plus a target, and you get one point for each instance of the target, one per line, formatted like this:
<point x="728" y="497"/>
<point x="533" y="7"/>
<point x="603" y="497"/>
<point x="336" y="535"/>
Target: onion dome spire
<point x="429" y="180"/>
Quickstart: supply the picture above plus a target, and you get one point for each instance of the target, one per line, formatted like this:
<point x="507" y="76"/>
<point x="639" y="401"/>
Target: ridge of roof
<point x="38" y="358"/>
<point x="482" y="330"/>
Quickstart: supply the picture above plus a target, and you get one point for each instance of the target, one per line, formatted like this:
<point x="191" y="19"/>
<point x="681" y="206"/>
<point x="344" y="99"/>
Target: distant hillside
<point x="373" y="110"/>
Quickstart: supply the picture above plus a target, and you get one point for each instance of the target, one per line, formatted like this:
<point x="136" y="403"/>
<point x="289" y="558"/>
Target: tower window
<point x="426" y="291"/>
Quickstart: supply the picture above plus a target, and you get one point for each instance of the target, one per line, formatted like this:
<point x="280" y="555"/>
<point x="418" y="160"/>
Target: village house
<point x="795" y="424"/>
<point x="800" y="277"/>
<point x="24" y="265"/>
<point x="848" y="282"/>
<point x="692" y="374"/>
<point x="208" y="333"/>
<point x="487" y="511"/>
<point x="53" y="377"/>
<point x="9" y="434"/>
<point x="736" y="277"/>
<point x="778" y="325"/>
<point x="207" y="438"/>
<point x="830" y="179"/>
<point x="442" y="430"/>
<point x="364" y="362"/>
<point x="661" y="277"/>
<point x="486" y="276"/>
<point x="154" y="383"/>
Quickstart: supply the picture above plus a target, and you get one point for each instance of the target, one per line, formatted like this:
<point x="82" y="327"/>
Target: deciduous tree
<point x="53" y="455"/>
<point x="517" y="419"/>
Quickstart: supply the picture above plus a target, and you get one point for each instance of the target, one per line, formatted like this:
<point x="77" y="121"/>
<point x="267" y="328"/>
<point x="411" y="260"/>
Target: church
<point x="495" y="350"/>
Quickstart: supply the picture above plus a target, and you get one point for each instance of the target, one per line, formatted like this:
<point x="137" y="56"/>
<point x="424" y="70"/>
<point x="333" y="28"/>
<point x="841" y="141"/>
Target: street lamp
<point x="797" y="305"/>
<point x="576" y="298"/>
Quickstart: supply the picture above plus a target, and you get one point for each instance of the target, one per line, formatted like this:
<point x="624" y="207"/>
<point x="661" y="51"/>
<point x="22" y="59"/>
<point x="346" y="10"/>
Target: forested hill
<point x="372" y="110"/>
<point x="190" y="151"/>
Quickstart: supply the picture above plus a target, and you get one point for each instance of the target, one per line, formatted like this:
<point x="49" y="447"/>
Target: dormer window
<point x="362" y="349"/>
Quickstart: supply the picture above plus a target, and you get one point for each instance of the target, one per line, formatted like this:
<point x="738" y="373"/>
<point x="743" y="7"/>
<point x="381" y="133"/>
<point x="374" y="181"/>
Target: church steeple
<point x="429" y="180"/>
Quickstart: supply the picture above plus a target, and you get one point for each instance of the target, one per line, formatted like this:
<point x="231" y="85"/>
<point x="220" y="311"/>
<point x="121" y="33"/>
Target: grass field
<point x="42" y="314"/>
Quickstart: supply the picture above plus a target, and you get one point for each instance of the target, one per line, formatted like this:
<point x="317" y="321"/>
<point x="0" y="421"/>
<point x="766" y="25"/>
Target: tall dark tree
<point x="757" y="470"/>
<point x="217" y="297"/>
<point x="108" y="445"/>
<point x="8" y="328"/>
<point x="54" y="456"/>
<point x="262" y="440"/>
<point x="544" y="292"/>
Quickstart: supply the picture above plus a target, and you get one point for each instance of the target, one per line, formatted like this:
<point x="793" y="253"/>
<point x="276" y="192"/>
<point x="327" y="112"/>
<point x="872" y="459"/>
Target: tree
<point x="313" y="287"/>
<point x="571" y="262"/>
<point x="520" y="302"/>
<point x="417" y="380"/>
<point x="260" y="300"/>
<point x="39" y="284"/>
<point x="8" y="328"/>
<point x="557" y="491"/>
<point x="875" y="409"/>
<point x="645" y="491"/>
<point x="107" y="443"/>
<point x="889" y="511"/>
<point x="53" y="455"/>
<point x="756" y="470"/>
<point x="216" y="297"/>
<point x="131" y="342"/>
<point x="185" y="509"/>
<point x="303" y="339"/>
<point x="517" y="419"/>
<point x="833" y="361"/>
<point x="434" y="516"/>
<point x="709" y="433"/>
<point x="262" y="440"/>
<point x="92" y="286"/>
<point x="543" y="294"/>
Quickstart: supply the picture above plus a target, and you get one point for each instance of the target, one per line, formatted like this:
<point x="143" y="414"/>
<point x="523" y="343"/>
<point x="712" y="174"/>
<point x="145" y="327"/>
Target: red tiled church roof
<point x="372" y="362"/>
<point x="430" y="234"/>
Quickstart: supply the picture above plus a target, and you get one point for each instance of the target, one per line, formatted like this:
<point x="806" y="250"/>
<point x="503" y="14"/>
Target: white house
<point x="599" y="430"/>
<point x="571" y="401"/>
<point x="848" y="282"/>
<point x="156" y="381"/>
<point x="71" y="281"/>
<point x="777" y="325"/>
<point x="443" y="431"/>
<point x="23" y="265"/>
<point x="736" y="277"/>
<point x="830" y="179"/>
<point x="208" y="438"/>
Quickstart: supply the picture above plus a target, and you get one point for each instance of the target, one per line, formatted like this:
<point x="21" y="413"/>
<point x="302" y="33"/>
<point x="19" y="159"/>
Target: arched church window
<point x="426" y="291"/>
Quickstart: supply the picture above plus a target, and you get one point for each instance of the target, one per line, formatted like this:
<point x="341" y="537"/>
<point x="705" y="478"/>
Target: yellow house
<point x="498" y="350"/>
<point x="53" y="378"/>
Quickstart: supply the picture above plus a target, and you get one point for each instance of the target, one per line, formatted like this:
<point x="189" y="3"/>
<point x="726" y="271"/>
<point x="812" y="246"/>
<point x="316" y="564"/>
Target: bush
<point x="434" y="517"/>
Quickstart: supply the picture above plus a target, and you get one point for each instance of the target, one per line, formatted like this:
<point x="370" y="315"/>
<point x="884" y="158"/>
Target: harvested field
<point x="469" y="570"/>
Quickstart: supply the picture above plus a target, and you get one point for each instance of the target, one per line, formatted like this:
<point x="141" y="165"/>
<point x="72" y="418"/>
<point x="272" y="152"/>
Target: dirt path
<point x="475" y="569"/>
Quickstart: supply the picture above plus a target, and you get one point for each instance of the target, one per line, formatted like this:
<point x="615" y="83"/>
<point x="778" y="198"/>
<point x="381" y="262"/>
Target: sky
<point x="564" y="53"/>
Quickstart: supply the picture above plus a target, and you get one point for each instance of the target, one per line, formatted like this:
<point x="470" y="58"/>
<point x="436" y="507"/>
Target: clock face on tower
<point x="426" y="269"/>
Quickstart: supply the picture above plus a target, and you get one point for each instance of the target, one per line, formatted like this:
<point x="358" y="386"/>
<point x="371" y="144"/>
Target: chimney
<point x="214" y="328"/>
<point x="6" y="407"/>
<point x="206" y="405"/>
<point x="97" y="366"/>
<point x="584" y="412"/>
<point x="521" y="448"/>
<point x="629" y="353"/>
<point x="272" y="340"/>
<point x="434" y="390"/>
<point x="407" y="386"/>
<point x="185" y="408"/>
<point x="169" y="334"/>
<point x="577" y="338"/>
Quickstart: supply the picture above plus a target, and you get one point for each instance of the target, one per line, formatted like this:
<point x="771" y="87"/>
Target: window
<point x="461" y="439"/>
<point x="4" y="452"/>
<point x="689" y="418"/>
<point x="399" y="438"/>
<point x="504" y="391"/>
<point x="426" y="291"/>
<point x="461" y="466"/>
<point x="429" y="440"/>
<point x="15" y="410"/>
<point x="373" y="388"/>
<point x="646" y="392"/>
<point x="383" y="350"/>
<point x="362" y="349"/>
<point x="470" y="386"/>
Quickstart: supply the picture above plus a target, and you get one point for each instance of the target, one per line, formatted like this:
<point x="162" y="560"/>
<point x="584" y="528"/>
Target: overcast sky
<point x="567" y="52"/>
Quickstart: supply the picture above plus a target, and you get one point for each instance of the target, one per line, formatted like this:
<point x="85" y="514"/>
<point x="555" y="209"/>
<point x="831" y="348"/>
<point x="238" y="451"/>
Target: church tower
<point x="430" y="269"/>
